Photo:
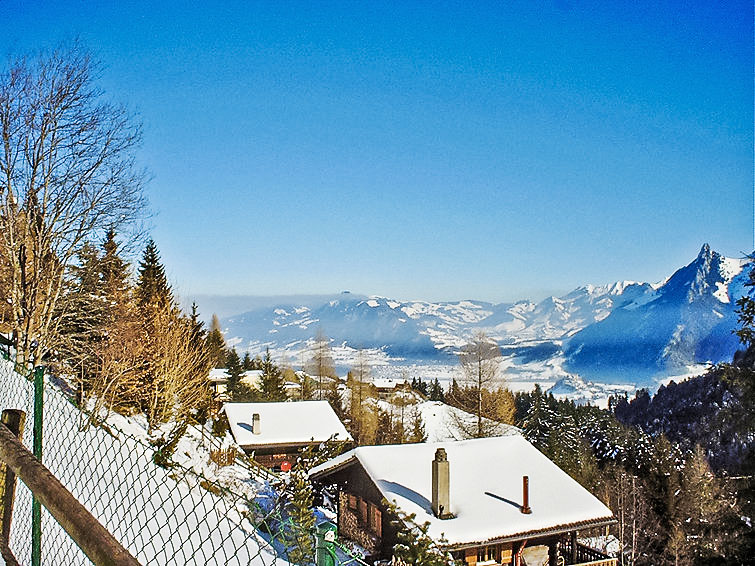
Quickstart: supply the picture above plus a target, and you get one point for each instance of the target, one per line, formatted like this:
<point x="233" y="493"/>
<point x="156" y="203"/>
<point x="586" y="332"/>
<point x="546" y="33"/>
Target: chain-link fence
<point x="162" y="515"/>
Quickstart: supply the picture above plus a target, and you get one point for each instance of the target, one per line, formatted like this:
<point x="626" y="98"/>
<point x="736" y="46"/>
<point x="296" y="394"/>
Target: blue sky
<point x="438" y="151"/>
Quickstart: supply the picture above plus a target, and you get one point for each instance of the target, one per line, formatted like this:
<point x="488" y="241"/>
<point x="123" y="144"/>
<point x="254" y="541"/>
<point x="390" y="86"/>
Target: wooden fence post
<point x="94" y="540"/>
<point x="14" y="420"/>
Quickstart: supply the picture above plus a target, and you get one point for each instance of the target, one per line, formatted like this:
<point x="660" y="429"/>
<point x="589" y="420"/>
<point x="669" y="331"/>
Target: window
<point x="375" y="521"/>
<point x="488" y="554"/>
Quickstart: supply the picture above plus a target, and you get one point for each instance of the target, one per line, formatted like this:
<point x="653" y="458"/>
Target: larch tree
<point x="321" y="362"/>
<point x="481" y="392"/>
<point x="67" y="174"/>
<point x="362" y="415"/>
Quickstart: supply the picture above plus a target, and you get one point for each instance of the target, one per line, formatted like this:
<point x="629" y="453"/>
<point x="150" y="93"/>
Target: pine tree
<point x="539" y="422"/>
<point x="271" y="384"/>
<point x="247" y="363"/>
<point x="299" y="541"/>
<point x="307" y="391"/>
<point x="413" y="543"/>
<point x="233" y="369"/>
<point x="417" y="427"/>
<point x="702" y="509"/>
<point x="115" y="270"/>
<point x="436" y="391"/>
<point x="83" y="326"/>
<point x="152" y="286"/>
<point x="334" y="398"/>
<point x="197" y="326"/>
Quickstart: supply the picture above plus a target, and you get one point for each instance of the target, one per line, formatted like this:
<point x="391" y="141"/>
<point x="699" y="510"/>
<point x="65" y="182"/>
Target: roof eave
<point x="547" y="532"/>
<point x="293" y="444"/>
<point x="341" y="465"/>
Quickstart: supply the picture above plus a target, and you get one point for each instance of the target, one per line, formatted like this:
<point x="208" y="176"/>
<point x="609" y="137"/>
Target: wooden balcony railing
<point x="585" y="556"/>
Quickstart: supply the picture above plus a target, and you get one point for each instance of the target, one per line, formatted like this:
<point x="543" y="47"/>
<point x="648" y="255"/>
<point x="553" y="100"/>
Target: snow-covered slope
<point x="194" y="513"/>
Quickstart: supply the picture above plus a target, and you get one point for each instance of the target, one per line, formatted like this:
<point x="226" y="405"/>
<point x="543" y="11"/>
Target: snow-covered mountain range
<point x="624" y="333"/>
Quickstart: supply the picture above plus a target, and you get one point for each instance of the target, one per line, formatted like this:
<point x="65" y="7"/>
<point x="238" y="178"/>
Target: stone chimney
<point x="256" y="423"/>
<point x="525" y="508"/>
<point x="441" y="503"/>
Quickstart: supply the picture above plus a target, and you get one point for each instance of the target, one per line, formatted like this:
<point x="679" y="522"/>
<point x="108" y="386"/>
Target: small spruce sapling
<point x="413" y="543"/>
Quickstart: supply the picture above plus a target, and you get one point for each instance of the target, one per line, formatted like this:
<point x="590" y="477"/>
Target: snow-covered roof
<point x="218" y="375"/>
<point x="388" y="383"/>
<point x="485" y="488"/>
<point x="284" y="423"/>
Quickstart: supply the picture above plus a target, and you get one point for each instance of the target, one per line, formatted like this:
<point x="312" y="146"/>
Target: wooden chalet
<point x="489" y="501"/>
<point x="275" y="433"/>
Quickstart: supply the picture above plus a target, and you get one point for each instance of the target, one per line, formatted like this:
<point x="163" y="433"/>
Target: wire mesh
<point x="172" y="515"/>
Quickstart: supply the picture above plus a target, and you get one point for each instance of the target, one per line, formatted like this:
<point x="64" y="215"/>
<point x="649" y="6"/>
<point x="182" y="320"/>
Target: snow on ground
<point x="164" y="516"/>
<point x="690" y="371"/>
<point x="441" y="422"/>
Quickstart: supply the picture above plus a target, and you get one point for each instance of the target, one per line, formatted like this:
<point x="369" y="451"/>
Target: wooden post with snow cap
<point x="526" y="495"/>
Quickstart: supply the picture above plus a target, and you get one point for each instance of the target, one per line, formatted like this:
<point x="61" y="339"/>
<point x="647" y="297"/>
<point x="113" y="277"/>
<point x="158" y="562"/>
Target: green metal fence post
<point x="36" y="506"/>
<point x="325" y="551"/>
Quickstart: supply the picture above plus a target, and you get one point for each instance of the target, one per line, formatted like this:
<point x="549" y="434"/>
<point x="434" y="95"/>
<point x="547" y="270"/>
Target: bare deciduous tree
<point x="67" y="174"/>
<point x="481" y="392"/>
<point x="321" y="363"/>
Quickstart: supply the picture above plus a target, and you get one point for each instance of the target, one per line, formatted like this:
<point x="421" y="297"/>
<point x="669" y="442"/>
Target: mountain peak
<point x="705" y="251"/>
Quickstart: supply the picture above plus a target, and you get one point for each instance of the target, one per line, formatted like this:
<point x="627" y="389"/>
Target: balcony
<point x="583" y="555"/>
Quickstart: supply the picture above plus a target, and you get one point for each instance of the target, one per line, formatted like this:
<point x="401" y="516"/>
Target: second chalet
<point x="275" y="433"/>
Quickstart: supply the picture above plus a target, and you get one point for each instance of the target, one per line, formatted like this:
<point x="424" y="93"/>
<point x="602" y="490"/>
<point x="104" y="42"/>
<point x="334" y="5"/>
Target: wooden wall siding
<point x="272" y="461"/>
<point x="489" y="554"/>
<point x="350" y="526"/>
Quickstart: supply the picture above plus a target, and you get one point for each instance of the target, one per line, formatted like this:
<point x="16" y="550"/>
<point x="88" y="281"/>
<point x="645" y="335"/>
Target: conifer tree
<point x="300" y="543"/>
<point x="152" y="286"/>
<point x="247" y="363"/>
<point x="702" y="508"/>
<point x="173" y="381"/>
<point x="334" y="398"/>
<point x="198" y="331"/>
<point x="436" y="391"/>
<point x="413" y="543"/>
<point x="271" y="383"/>
<point x="84" y="322"/>
<point x="115" y="270"/>
<point x="216" y="348"/>
<point x="417" y="428"/>
<point x="233" y="369"/>
<point x="307" y="391"/>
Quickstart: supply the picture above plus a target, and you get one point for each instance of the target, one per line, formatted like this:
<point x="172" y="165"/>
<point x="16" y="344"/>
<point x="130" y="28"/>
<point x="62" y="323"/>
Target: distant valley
<point x="593" y="341"/>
